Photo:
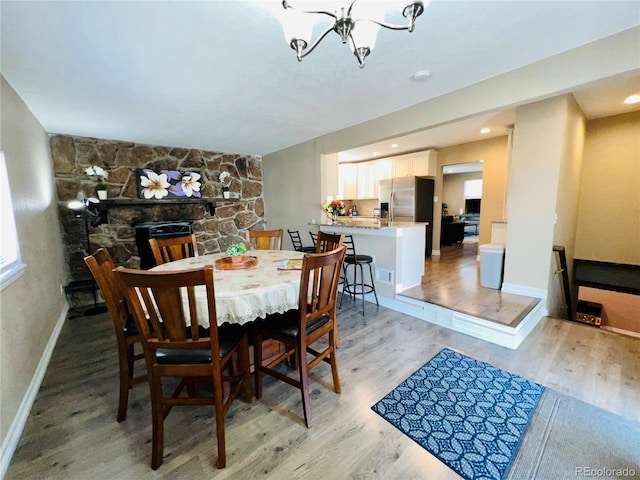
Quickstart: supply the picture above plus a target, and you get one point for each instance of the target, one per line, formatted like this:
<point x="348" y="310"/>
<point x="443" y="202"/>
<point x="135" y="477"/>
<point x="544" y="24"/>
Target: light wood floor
<point x="72" y="431"/>
<point x="452" y="280"/>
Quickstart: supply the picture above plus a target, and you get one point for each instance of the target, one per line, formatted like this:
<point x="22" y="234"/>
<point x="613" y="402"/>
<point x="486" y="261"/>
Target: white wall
<point x="32" y="308"/>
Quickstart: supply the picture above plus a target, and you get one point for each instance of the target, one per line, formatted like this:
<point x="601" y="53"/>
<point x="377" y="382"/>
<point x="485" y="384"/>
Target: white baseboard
<point x="525" y="291"/>
<point x="19" y="421"/>
<point x="620" y="330"/>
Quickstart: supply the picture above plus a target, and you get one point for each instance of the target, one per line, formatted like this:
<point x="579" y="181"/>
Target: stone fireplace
<point x="214" y="231"/>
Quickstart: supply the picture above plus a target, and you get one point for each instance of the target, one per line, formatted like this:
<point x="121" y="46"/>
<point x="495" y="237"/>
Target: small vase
<point x="102" y="194"/>
<point x="334" y="218"/>
<point x="226" y="194"/>
<point x="236" y="258"/>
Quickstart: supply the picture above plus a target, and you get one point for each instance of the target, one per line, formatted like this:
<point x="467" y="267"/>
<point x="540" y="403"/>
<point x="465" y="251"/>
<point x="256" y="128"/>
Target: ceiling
<point x="218" y="75"/>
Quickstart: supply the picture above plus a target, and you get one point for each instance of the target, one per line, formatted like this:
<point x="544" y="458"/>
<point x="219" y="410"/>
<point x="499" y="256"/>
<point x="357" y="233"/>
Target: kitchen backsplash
<point x="364" y="207"/>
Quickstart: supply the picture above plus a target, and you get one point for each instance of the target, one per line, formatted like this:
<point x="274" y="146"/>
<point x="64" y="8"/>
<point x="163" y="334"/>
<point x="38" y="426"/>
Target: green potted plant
<point x="236" y="251"/>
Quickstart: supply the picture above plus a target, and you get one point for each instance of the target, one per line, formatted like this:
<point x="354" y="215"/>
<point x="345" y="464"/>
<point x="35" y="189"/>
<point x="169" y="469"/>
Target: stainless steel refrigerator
<point x="408" y="199"/>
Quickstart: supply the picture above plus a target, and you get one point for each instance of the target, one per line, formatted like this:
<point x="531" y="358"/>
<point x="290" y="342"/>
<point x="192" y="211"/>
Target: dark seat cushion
<point x="355" y="259"/>
<point x="229" y="337"/>
<point x="130" y="327"/>
<point x="286" y="324"/>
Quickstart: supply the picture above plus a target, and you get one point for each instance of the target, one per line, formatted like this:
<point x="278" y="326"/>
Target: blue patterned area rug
<point x="469" y="414"/>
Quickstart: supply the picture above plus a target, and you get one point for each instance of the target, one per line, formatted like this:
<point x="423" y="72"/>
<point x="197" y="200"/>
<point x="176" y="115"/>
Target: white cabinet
<point x="367" y="180"/>
<point x="360" y="180"/>
<point x="384" y="168"/>
<point x="401" y="167"/>
<point x="348" y="181"/>
<point x="419" y="164"/>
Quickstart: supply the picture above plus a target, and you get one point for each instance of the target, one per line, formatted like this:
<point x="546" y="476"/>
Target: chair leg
<point x="373" y="284"/>
<point x="219" y="406"/>
<point x="345" y="284"/>
<point x="244" y="368"/>
<point x="157" y="419"/>
<point x="361" y="285"/>
<point x="126" y="374"/>
<point x="333" y="340"/>
<point x="304" y="385"/>
<point x="257" y="363"/>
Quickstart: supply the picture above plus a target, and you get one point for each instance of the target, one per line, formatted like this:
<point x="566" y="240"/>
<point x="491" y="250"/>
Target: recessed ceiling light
<point x="631" y="99"/>
<point x="394" y="145"/>
<point x="375" y="154"/>
<point x="485" y="130"/>
<point x="421" y="76"/>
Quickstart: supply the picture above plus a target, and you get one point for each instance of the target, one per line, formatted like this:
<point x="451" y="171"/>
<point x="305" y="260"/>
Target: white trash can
<point x="491" y="263"/>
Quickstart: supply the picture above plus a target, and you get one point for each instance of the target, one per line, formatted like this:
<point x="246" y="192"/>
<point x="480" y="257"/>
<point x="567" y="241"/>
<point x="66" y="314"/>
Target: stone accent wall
<point x="71" y="155"/>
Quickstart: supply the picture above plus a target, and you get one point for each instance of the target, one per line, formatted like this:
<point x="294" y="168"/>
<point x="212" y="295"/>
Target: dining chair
<point x="328" y="241"/>
<point x="175" y="345"/>
<point x="264" y="239"/>
<point x="167" y="250"/>
<point x="314" y="238"/>
<point x="299" y="329"/>
<point x="297" y="242"/>
<point x="101" y="266"/>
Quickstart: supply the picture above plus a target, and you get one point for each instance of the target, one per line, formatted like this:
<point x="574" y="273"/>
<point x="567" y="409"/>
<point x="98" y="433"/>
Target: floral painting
<point x="167" y="184"/>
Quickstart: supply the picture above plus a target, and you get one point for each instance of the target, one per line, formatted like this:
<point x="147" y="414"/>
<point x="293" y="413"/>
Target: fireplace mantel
<point x="211" y="203"/>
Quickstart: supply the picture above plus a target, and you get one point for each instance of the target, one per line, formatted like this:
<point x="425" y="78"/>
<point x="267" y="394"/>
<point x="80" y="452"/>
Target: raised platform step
<point x="494" y="332"/>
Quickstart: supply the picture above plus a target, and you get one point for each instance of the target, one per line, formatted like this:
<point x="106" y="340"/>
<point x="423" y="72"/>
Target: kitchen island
<point x="397" y="248"/>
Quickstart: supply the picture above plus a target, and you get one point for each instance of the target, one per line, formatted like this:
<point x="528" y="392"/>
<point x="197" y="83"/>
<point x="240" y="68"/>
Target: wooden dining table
<point x="242" y="295"/>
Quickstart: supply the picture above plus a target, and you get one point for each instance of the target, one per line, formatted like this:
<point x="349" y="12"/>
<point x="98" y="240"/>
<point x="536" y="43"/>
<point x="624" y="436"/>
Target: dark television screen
<point x="472" y="205"/>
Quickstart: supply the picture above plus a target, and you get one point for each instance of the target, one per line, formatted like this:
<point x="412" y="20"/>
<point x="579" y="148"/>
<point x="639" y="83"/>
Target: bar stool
<point x="297" y="242"/>
<point x="355" y="288"/>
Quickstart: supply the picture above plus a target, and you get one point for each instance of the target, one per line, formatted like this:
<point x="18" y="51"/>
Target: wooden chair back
<point x="181" y="338"/>
<point x="328" y="241"/>
<point x="101" y="266"/>
<point x="175" y="248"/>
<point x="319" y="285"/>
<point x="264" y="239"/>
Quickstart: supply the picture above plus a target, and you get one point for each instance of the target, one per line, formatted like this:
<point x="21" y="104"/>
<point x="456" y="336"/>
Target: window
<point x="10" y="265"/>
<point x="473" y="188"/>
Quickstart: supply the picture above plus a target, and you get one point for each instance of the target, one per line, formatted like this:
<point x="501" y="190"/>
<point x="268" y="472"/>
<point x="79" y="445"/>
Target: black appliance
<point x="145" y="231"/>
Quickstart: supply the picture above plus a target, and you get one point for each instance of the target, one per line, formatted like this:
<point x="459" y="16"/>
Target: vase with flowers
<point x="224" y="179"/>
<point x="100" y="175"/>
<point x="236" y="251"/>
<point x="335" y="208"/>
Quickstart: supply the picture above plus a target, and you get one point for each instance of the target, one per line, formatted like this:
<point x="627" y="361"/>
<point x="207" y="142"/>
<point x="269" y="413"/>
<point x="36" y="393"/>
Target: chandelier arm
<point x="307" y="51"/>
<point x="390" y="26"/>
<point x="350" y="7"/>
<point x="286" y="5"/>
<point x="356" y="52"/>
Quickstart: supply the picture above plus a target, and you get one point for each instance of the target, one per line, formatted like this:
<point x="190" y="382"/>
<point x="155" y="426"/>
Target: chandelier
<point x="359" y="32"/>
